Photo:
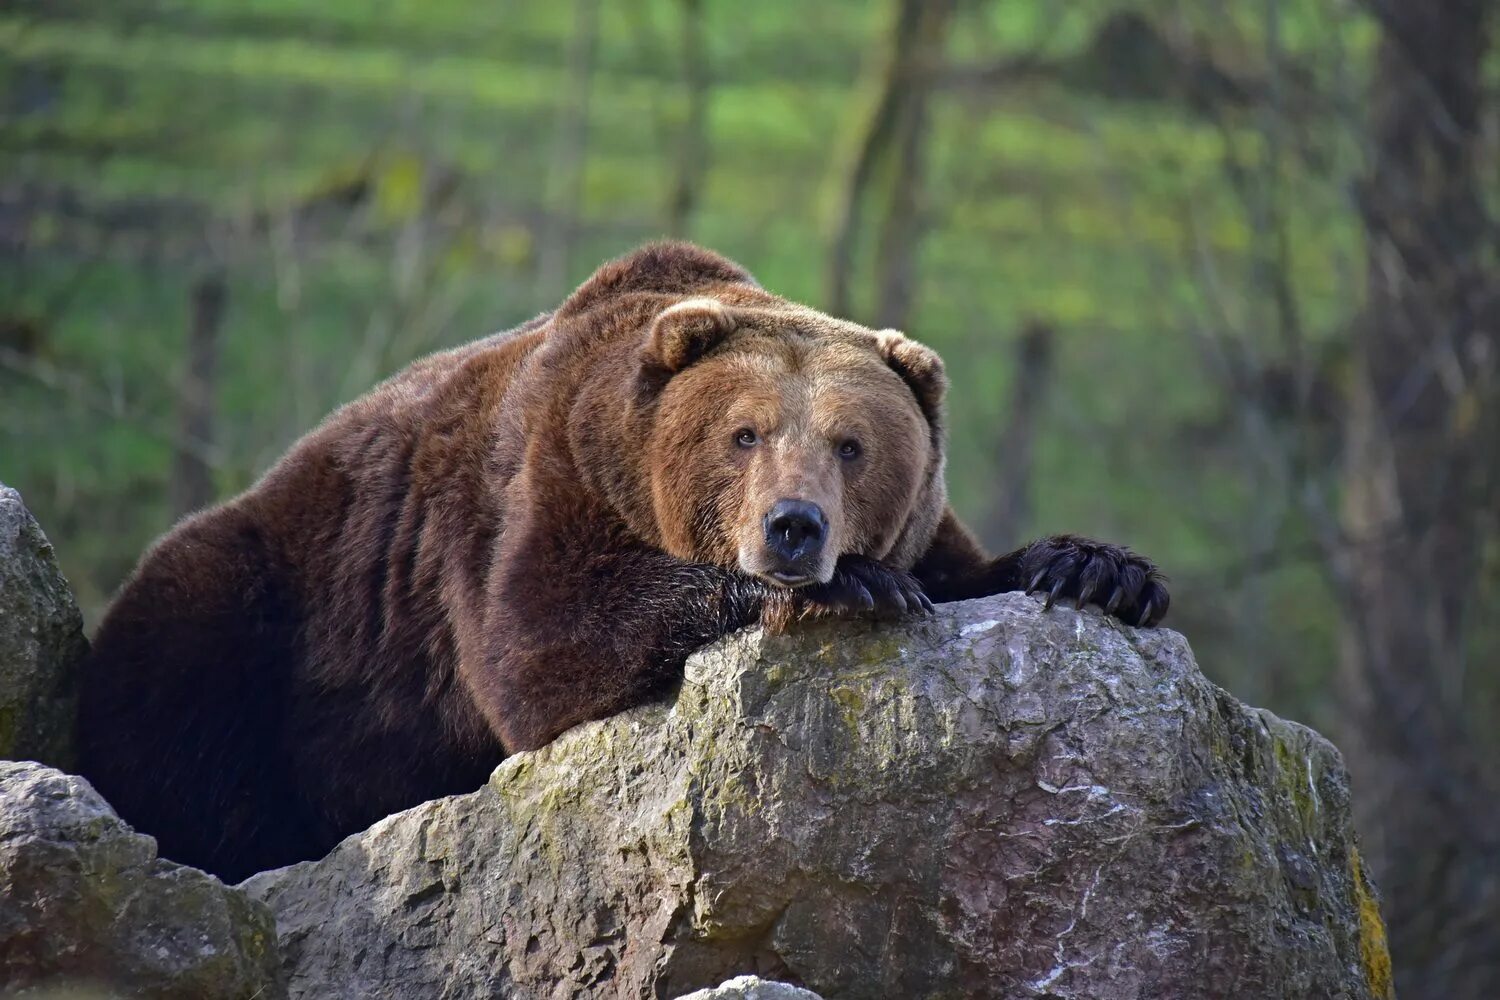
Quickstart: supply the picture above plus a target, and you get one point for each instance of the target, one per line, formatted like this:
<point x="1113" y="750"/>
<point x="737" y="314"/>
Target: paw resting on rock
<point x="860" y="584"/>
<point x="859" y="587"/>
<point x="1069" y="568"/>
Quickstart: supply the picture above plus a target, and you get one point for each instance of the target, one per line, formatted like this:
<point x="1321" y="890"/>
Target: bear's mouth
<point x="787" y="579"/>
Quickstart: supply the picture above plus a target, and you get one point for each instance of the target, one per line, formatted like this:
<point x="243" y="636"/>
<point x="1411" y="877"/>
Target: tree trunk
<point x="565" y="186"/>
<point x="1034" y="367"/>
<point x="1420" y="477"/>
<point x="877" y="136"/>
<point x="192" y="484"/>
<point x="901" y="233"/>
<point x="692" y="143"/>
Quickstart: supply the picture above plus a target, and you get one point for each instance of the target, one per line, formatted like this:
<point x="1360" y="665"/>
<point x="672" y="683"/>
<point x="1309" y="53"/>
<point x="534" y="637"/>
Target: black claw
<point x="1114" y="600"/>
<point x="1036" y="581"/>
<point x="1145" y="619"/>
<point x="1084" y="595"/>
<point x="862" y="593"/>
<point x="1057" y="588"/>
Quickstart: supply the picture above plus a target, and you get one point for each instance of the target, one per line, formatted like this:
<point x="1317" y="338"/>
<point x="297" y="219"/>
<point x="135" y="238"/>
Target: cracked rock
<point x="995" y="801"/>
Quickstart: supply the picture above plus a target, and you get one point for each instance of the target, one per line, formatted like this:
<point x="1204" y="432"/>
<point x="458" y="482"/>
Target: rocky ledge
<point x="995" y="801"/>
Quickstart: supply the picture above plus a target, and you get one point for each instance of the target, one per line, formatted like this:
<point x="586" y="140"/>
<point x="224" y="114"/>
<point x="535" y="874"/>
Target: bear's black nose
<point x="795" y="529"/>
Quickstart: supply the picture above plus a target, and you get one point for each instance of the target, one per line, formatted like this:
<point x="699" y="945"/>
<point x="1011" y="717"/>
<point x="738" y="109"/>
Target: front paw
<point x="1112" y="577"/>
<point x="864" y="586"/>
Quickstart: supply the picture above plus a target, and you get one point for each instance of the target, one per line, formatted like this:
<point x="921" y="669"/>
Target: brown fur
<point x="520" y="535"/>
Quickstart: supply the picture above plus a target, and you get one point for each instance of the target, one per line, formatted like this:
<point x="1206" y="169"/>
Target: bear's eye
<point x="745" y="438"/>
<point x="849" y="450"/>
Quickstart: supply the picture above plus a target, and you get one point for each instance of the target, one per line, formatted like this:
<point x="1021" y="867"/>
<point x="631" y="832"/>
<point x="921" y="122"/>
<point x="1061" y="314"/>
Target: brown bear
<point x="531" y="531"/>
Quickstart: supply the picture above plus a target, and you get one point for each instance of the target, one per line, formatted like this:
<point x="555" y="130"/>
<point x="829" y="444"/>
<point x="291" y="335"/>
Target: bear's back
<point x="382" y="518"/>
<point x="422" y="426"/>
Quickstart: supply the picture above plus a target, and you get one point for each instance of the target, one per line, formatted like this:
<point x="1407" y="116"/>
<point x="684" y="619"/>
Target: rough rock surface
<point x="992" y="802"/>
<point x="751" y="988"/>
<point x="88" y="909"/>
<point x="41" y="640"/>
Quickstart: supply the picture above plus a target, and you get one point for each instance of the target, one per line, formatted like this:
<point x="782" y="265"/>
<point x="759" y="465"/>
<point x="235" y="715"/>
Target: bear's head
<point x="782" y="438"/>
<point x="736" y="428"/>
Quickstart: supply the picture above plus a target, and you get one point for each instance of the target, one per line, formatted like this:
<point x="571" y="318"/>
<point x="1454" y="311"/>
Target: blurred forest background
<point x="1217" y="280"/>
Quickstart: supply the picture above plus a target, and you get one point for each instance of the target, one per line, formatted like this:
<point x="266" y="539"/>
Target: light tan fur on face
<point x="803" y="392"/>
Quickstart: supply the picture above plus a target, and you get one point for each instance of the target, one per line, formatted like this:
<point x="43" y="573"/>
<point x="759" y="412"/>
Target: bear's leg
<point x="181" y="705"/>
<point x="582" y="630"/>
<point x="1064" y="567"/>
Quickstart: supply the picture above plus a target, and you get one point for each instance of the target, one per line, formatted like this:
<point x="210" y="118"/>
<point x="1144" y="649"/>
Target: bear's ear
<point x="683" y="333"/>
<point x="920" y="366"/>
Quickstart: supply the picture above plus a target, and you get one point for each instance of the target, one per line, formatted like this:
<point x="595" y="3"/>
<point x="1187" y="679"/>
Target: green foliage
<point x="373" y="179"/>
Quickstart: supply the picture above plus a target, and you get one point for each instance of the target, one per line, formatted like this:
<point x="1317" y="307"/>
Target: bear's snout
<point x="795" y="533"/>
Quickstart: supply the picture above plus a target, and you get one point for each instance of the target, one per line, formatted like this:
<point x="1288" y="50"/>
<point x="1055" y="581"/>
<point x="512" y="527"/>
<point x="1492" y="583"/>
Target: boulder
<point x="88" y="910"/>
<point x="994" y="801"/>
<point x="41" y="641"/>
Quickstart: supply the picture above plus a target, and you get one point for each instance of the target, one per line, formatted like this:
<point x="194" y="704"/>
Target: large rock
<point x="993" y="802"/>
<point x="41" y="641"/>
<point x="88" y="910"/>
